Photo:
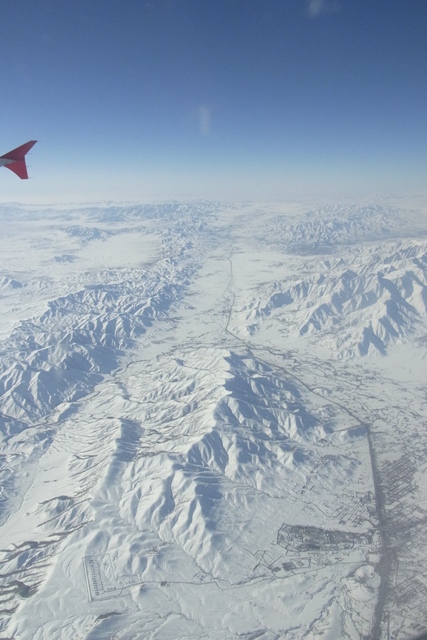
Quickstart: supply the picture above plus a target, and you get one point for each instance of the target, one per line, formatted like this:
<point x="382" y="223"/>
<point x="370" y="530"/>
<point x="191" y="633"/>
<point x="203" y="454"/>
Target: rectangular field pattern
<point x="101" y="579"/>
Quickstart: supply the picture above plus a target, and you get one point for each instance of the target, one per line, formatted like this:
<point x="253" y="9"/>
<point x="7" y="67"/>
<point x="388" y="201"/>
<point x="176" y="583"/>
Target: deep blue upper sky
<point x="133" y="99"/>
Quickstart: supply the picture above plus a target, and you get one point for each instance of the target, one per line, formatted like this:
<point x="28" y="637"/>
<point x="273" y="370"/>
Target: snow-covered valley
<point x="213" y="422"/>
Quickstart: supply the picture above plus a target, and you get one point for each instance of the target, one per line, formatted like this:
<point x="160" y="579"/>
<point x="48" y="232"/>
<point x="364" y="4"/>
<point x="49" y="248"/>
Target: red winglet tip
<point x="20" y="168"/>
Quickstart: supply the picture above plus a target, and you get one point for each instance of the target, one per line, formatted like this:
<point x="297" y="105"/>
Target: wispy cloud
<point x="316" y="8"/>
<point x="204" y="119"/>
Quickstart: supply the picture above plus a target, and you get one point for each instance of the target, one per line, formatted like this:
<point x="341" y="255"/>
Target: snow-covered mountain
<point x="354" y="304"/>
<point x="213" y="421"/>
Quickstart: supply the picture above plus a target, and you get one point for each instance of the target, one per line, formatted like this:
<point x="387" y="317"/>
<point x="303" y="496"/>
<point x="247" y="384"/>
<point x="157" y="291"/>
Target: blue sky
<point x="246" y="99"/>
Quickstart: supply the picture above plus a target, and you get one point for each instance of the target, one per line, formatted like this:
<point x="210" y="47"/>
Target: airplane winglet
<point x="15" y="159"/>
<point x="20" y="168"/>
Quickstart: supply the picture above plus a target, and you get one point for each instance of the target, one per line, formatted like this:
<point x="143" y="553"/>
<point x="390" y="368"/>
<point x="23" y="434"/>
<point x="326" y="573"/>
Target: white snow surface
<point x="213" y="421"/>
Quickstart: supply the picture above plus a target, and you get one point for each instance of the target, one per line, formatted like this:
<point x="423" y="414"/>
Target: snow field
<point x="180" y="458"/>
